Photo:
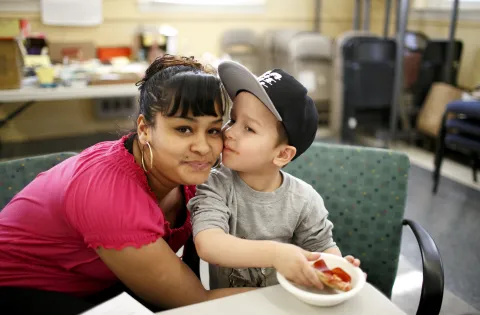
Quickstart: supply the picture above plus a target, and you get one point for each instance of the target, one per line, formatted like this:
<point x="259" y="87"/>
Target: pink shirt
<point x="49" y="230"/>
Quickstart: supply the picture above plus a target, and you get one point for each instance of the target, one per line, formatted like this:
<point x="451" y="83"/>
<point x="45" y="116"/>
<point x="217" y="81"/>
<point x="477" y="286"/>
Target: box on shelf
<point x="74" y="50"/>
<point x="11" y="64"/>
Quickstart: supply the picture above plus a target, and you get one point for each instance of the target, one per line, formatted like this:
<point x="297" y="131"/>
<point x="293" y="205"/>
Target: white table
<point x="65" y="93"/>
<point x="276" y="301"/>
<point x="30" y="95"/>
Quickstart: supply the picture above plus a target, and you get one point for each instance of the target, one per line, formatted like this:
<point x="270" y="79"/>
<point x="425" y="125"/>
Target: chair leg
<point x="439" y="155"/>
<point x="438" y="165"/>
<point x="474" y="166"/>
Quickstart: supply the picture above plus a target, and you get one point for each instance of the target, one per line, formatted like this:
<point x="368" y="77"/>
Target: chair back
<point x="364" y="190"/>
<point x="18" y="173"/>
<point x="242" y="46"/>
<point x="337" y="89"/>
<point x="310" y="55"/>
<point x="281" y="40"/>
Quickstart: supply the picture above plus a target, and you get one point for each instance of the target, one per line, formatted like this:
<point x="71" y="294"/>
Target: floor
<point x="450" y="169"/>
<point x="452" y="217"/>
<point x="408" y="286"/>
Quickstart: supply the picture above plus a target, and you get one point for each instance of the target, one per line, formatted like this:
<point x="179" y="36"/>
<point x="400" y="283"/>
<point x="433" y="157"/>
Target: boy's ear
<point x="285" y="155"/>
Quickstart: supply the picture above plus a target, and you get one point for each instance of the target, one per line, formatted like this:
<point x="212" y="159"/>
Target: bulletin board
<point x="72" y="12"/>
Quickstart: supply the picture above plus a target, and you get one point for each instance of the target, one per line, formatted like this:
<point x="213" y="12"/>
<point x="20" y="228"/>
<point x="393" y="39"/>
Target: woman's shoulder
<point x="109" y="159"/>
<point x="108" y="186"/>
<point x="106" y="171"/>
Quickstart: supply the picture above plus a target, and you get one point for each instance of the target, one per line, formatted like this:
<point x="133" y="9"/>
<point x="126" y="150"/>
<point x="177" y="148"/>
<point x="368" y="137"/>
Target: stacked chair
<point x="366" y="80"/>
<point x="369" y="68"/>
<point x="305" y="55"/>
<point x="415" y="46"/>
<point x="268" y="50"/>
<point x="337" y="89"/>
<point x="424" y="98"/>
<point x="460" y="131"/>
<point x="310" y="60"/>
<point x="432" y="68"/>
<point x="242" y="46"/>
<point x="281" y="41"/>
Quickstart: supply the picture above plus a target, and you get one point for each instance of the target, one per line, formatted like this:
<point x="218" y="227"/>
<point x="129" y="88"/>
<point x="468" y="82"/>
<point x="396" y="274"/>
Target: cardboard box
<point x="430" y="117"/>
<point x="9" y="28"/>
<point x="73" y="50"/>
<point x="11" y="65"/>
<point x="114" y="78"/>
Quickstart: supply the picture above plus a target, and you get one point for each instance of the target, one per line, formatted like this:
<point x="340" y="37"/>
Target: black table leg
<point x="12" y="115"/>
<point x="15" y="113"/>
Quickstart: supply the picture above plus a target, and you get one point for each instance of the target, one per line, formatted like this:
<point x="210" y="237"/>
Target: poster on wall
<point x="71" y="12"/>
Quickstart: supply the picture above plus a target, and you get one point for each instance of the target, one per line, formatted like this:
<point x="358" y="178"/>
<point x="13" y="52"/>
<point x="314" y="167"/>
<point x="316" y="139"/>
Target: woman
<point x="117" y="210"/>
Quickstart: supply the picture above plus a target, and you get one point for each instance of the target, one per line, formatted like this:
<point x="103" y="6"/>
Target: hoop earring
<point x="218" y="162"/>
<point x="151" y="157"/>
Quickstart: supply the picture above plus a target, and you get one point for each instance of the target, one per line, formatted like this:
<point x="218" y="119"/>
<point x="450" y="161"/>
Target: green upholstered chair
<point x="18" y="173"/>
<point x="364" y="190"/>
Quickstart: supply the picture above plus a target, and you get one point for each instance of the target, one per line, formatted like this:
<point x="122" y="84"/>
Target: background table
<point x="28" y="96"/>
<point x="66" y="93"/>
<point x="275" y="300"/>
<point x="31" y="95"/>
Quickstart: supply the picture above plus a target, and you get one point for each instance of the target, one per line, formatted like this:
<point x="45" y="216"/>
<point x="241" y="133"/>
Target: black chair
<point x="415" y="45"/>
<point x="432" y="68"/>
<point x="416" y="41"/>
<point x="369" y="72"/>
<point x="460" y="131"/>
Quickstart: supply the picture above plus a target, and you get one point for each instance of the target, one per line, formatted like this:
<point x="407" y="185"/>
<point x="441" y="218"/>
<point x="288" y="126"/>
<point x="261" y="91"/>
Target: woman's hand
<point x="294" y="264"/>
<point x="336" y="251"/>
<point x="354" y="261"/>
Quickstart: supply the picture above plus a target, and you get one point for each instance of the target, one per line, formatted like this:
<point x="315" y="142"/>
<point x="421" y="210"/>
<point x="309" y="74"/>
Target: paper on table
<point x="122" y="304"/>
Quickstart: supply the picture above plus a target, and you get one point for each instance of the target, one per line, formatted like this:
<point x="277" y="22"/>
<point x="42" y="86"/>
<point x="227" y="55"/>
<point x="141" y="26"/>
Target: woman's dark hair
<point x="175" y="85"/>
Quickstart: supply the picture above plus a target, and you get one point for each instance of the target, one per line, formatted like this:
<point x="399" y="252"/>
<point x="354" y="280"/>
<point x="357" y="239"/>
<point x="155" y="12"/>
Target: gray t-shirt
<point x="294" y="213"/>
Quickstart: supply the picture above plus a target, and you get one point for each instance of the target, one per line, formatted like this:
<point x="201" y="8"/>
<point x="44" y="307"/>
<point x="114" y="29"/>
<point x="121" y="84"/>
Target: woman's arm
<point x="190" y="257"/>
<point x="157" y="275"/>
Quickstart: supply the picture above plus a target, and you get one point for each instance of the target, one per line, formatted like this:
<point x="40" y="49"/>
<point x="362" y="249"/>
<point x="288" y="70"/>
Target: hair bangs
<point x="195" y="94"/>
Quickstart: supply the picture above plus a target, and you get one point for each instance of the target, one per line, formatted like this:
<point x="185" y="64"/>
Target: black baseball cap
<point x="283" y="95"/>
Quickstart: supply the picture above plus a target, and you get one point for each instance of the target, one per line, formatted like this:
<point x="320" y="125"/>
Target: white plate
<point x="328" y="296"/>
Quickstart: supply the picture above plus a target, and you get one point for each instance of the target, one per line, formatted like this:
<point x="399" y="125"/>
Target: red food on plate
<point x="335" y="278"/>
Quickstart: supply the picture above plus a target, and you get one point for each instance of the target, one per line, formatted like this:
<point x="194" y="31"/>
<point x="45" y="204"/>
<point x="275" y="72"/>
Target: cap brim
<point x="236" y="77"/>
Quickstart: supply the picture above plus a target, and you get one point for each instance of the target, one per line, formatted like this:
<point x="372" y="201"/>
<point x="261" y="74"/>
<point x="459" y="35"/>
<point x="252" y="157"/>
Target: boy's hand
<point x="293" y="263"/>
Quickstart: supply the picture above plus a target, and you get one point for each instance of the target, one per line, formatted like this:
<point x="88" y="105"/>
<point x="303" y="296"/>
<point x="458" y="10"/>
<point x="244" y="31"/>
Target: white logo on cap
<point x="269" y="78"/>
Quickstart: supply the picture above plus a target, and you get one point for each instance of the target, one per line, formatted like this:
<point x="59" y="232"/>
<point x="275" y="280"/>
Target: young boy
<point x="250" y="217"/>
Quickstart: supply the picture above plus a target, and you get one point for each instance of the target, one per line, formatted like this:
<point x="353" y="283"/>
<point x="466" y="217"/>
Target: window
<point x="208" y="2"/>
<point x="247" y="6"/>
<point x="19" y="5"/>
<point x="445" y="4"/>
<point x="441" y="9"/>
